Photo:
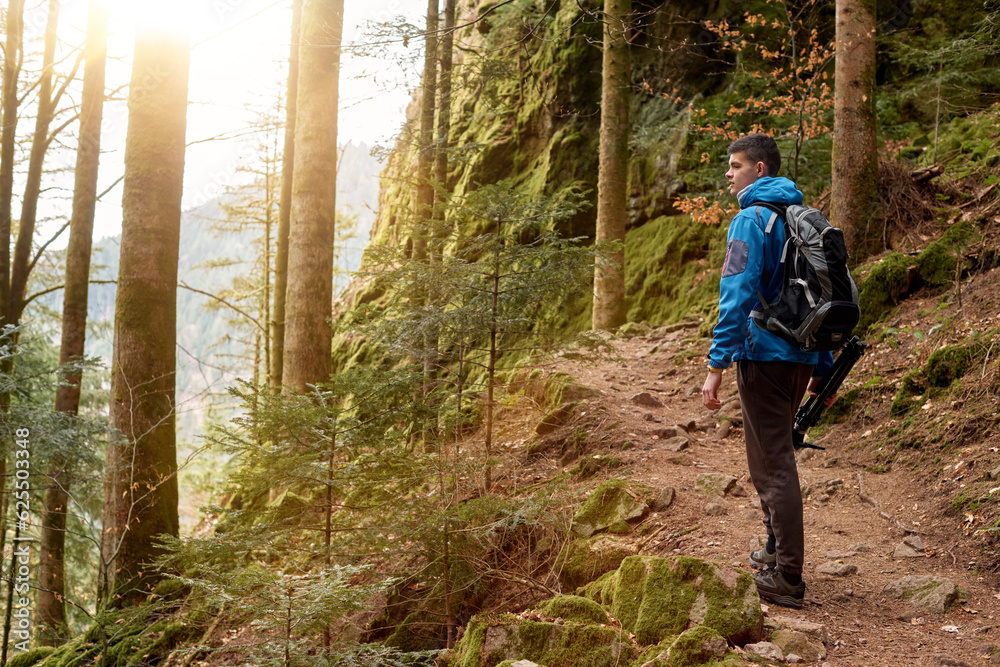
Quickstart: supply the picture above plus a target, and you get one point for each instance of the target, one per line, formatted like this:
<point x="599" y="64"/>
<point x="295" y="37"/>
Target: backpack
<point x="817" y="307"/>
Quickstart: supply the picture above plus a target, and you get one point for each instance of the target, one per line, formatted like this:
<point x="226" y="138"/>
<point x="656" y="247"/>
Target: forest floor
<point x="875" y="484"/>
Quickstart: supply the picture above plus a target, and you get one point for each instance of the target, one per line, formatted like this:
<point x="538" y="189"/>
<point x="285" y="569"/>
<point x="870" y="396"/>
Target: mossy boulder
<point x="939" y="261"/>
<point x="656" y="598"/>
<point x="886" y="284"/>
<point x="574" y="608"/>
<point x="491" y="639"/>
<point x="611" y="507"/>
<point x="582" y="561"/>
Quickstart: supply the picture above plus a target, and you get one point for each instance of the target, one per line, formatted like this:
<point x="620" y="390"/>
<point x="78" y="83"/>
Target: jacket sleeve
<point x="824" y="364"/>
<point x="741" y="275"/>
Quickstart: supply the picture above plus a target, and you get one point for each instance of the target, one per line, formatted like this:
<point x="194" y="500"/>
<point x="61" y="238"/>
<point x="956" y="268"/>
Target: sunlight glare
<point x="174" y="16"/>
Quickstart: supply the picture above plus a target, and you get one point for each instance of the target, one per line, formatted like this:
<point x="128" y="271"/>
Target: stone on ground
<point x="926" y="592"/>
<point x="714" y="484"/>
<point x="798" y="643"/>
<point x="765" y="650"/>
<point x="647" y="400"/>
<point x="665" y="499"/>
<point x="911" y="547"/>
<point x="611" y="507"/>
<point x="835" y="569"/>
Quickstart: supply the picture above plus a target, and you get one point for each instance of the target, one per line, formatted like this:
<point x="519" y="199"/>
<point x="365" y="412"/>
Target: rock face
<point x="766" y="650"/>
<point x="656" y="598"/>
<point x="925" y="592"/>
<point x="610" y="507"/>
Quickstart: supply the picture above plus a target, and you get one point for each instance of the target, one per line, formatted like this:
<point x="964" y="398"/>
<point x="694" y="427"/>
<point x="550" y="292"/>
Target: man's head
<point x="751" y="157"/>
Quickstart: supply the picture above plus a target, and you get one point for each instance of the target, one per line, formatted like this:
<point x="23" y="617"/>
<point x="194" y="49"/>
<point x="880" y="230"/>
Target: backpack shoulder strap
<point x="777" y="210"/>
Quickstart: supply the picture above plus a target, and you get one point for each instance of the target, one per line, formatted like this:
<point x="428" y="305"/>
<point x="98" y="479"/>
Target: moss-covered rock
<point x="29" y="658"/>
<point x="884" y="287"/>
<point x="698" y="646"/>
<point x="491" y="639"/>
<point x="938" y="262"/>
<point x="574" y="608"/>
<point x="582" y="561"/>
<point x="659" y="597"/>
<point x="947" y="365"/>
<point x="611" y="507"/>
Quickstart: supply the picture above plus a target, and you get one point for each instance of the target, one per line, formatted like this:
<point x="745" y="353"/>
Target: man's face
<point x="742" y="172"/>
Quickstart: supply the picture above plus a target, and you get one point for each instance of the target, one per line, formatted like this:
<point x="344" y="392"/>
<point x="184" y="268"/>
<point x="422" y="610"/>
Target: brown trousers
<point x="770" y="393"/>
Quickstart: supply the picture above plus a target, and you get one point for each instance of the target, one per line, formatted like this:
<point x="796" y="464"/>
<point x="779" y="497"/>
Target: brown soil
<point x="912" y="475"/>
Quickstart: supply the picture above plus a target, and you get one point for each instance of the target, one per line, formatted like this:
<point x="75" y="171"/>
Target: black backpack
<point x="817" y="307"/>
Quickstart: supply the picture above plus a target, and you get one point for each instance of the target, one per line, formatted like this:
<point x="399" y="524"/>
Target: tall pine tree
<point x="141" y="497"/>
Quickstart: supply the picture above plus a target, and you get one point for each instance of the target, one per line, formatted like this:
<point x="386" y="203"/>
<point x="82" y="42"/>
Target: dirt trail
<point x="868" y="626"/>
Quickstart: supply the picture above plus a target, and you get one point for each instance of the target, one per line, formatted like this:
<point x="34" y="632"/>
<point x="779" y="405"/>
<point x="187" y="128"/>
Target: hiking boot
<point x="761" y="559"/>
<point x="773" y="587"/>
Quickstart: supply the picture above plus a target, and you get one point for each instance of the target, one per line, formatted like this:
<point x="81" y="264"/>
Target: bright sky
<point x="239" y="58"/>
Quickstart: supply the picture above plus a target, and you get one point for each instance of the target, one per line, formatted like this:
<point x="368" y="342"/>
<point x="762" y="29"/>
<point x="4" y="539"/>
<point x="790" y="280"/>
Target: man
<point x="772" y="376"/>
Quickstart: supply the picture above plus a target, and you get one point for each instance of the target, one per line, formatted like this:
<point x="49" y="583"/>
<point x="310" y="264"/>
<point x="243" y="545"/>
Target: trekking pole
<point x="810" y="412"/>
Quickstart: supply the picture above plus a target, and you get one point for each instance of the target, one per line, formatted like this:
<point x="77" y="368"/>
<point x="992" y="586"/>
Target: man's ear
<point x="761" y="169"/>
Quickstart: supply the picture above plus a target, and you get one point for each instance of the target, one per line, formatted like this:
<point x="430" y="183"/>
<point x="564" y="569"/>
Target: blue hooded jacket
<point x="753" y="255"/>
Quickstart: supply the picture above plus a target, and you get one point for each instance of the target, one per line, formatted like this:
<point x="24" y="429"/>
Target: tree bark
<point x="309" y="293"/>
<point x="854" y="191"/>
<point x="33" y="186"/>
<point x="424" y="201"/>
<point x="53" y="629"/>
<point x="444" y="96"/>
<point x="141" y="493"/>
<point x="612" y="178"/>
<point x="285" y="206"/>
<point x="13" y="55"/>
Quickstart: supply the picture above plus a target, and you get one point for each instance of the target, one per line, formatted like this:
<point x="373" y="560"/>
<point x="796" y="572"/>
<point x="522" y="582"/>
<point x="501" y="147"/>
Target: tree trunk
<point x="141" y="493"/>
<point x="33" y="186"/>
<point x="424" y="200"/>
<point x="612" y="178"/>
<point x="854" y="191"/>
<point x="53" y="630"/>
<point x="309" y="294"/>
<point x="13" y="55"/>
<point x="444" y="96"/>
<point x="285" y="206"/>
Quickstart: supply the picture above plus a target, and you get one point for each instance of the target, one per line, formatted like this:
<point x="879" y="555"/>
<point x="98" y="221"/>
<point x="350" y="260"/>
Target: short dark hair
<point x="759" y="148"/>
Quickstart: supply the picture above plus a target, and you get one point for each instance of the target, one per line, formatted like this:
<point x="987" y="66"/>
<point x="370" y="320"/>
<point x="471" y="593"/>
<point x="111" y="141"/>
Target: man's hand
<point x="710" y="391"/>
<point x="814" y="385"/>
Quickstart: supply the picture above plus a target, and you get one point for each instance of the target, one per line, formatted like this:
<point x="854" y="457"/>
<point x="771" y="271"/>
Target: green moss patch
<point x="574" y="608"/>
<point x="659" y="597"/>
<point x="669" y="270"/>
<point x="611" y="507"/>
<point x="582" y="561"/>
<point x="492" y="639"/>
<point x="29" y="658"/>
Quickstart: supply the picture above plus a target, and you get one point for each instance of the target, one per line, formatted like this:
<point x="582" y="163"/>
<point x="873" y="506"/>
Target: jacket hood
<point x="778" y="190"/>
